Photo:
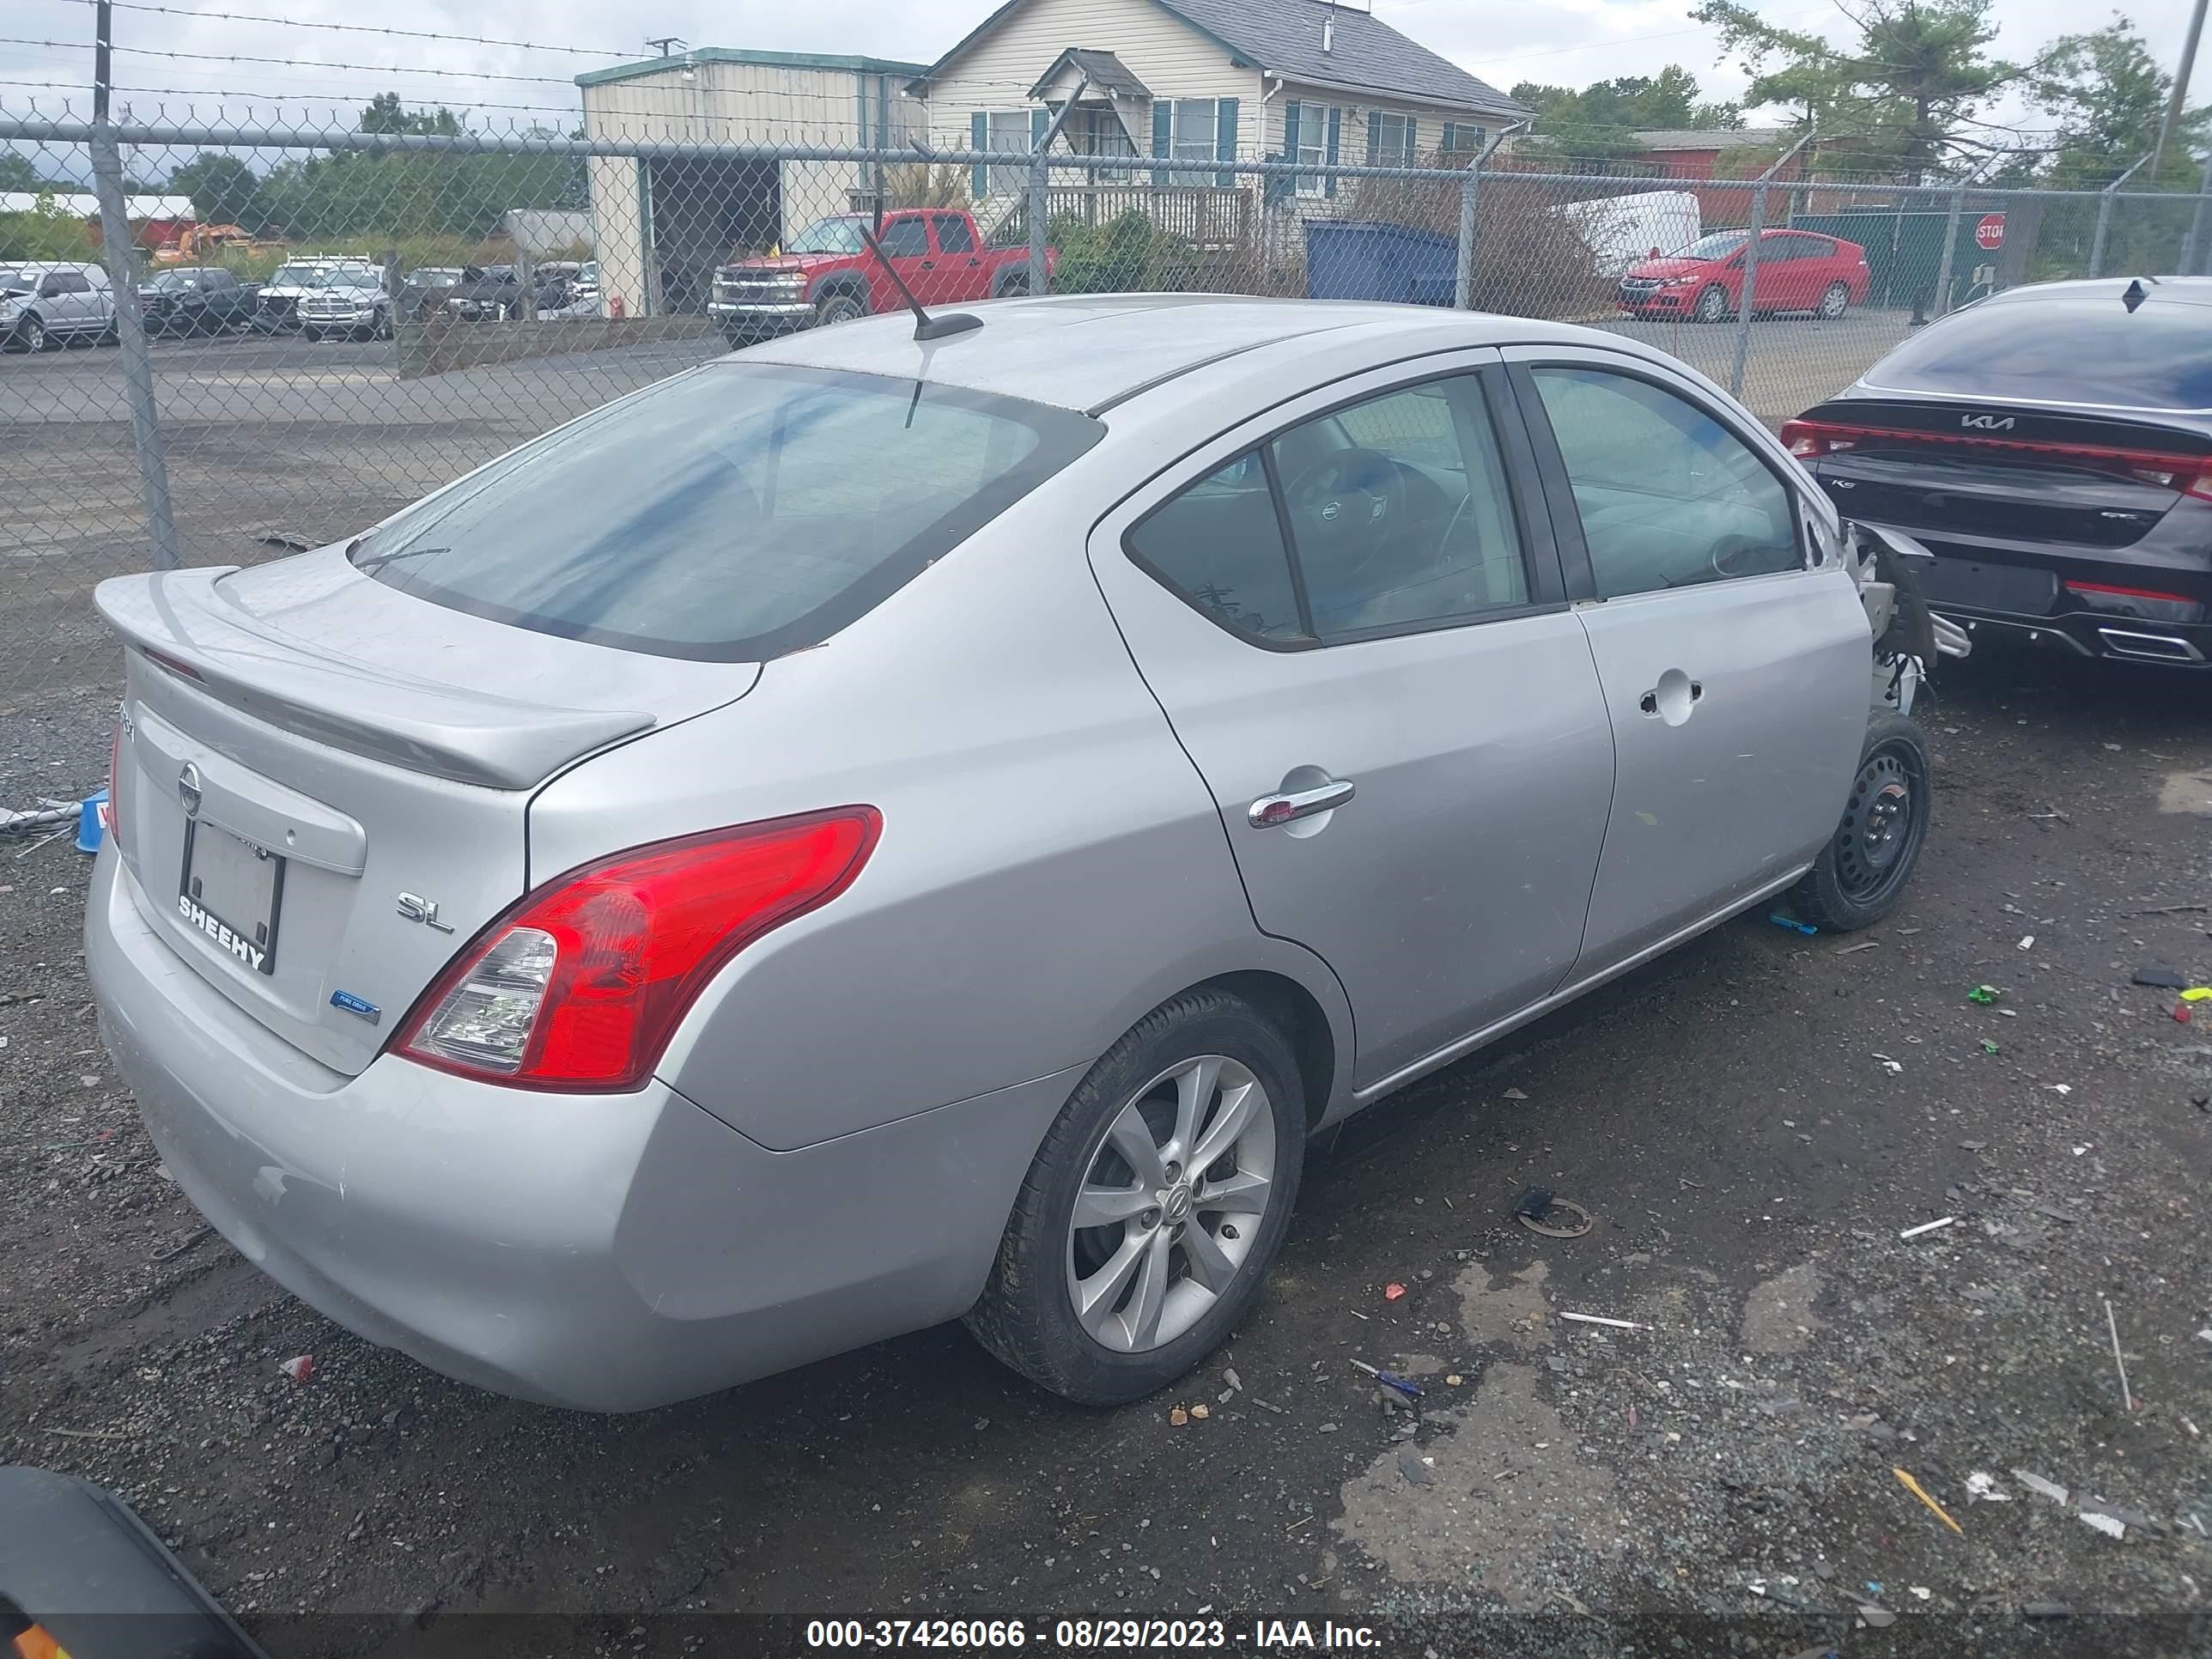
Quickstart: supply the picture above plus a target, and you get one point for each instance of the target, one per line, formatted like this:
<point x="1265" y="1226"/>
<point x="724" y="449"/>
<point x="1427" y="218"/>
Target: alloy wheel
<point x="35" y="338"/>
<point x="1172" y="1201"/>
<point x="1835" y="301"/>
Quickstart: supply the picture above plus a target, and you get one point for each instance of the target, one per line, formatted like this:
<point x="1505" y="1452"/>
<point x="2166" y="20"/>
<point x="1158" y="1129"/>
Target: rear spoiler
<point x="179" y="622"/>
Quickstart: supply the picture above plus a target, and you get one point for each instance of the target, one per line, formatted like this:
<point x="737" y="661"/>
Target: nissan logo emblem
<point x="188" y="789"/>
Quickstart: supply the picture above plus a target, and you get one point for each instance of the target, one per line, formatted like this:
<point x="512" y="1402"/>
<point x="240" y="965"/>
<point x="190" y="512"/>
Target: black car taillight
<point x="2136" y="604"/>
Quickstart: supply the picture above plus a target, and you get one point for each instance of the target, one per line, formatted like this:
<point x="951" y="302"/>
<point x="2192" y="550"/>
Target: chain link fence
<point x="345" y="320"/>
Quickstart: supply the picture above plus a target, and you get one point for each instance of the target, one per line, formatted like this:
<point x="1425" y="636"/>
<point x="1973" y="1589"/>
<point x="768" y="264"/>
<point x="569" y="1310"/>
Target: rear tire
<point x="1204" y="1070"/>
<point x="1014" y="285"/>
<point x="1862" y="871"/>
<point x="1835" y="303"/>
<point x="1712" y="305"/>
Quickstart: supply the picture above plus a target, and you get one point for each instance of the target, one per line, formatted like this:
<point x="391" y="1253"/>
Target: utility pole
<point x="663" y="44"/>
<point x="2180" y="90"/>
<point x="118" y="254"/>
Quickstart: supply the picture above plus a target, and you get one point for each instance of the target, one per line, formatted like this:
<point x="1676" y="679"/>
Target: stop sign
<point x="1990" y="234"/>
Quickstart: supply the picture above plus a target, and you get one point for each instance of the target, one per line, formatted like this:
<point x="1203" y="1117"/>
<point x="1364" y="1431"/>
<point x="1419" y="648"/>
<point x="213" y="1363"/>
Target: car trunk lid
<point x="1939" y="465"/>
<point x="323" y="780"/>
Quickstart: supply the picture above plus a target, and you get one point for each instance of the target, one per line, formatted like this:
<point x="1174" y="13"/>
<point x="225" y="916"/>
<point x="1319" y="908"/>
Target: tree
<point x="385" y="113"/>
<point x="20" y="172"/>
<point x="224" y="189"/>
<point x="1907" y="92"/>
<point x="1601" y="121"/>
<point x="2105" y="95"/>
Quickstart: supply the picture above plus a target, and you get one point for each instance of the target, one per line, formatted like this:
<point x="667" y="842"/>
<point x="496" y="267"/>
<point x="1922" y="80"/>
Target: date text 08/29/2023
<point x="1254" y="1635"/>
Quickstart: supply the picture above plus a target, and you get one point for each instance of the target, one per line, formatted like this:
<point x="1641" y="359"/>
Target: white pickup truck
<point x="44" y="303"/>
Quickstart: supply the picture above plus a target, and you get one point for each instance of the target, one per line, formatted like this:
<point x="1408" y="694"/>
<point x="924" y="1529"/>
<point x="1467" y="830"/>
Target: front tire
<point x="1862" y="871"/>
<point x="1712" y="305"/>
<point x="838" y="308"/>
<point x="1835" y="303"/>
<point x="1160" y="1196"/>
<point x="312" y="336"/>
<point x="33" y="333"/>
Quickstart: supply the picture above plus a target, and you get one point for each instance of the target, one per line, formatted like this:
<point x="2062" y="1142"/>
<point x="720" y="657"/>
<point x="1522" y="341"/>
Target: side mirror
<point x="1655" y="251"/>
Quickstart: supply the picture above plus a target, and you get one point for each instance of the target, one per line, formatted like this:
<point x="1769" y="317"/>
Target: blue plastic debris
<point x="1793" y="924"/>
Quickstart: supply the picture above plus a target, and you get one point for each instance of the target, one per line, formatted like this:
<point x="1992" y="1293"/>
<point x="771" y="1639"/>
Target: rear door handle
<point x="1269" y="810"/>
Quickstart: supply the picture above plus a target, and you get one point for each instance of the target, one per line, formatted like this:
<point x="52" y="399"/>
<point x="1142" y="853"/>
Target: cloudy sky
<point x="1572" y="41"/>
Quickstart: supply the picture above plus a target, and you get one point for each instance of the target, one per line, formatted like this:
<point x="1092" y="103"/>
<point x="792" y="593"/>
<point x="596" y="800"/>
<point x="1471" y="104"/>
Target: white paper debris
<point x="1982" y="1488"/>
<point x="2104" y="1524"/>
<point x="2036" y="1483"/>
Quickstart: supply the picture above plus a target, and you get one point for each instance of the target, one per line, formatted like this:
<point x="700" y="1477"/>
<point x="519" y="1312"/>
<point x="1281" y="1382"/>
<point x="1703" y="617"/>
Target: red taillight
<point x="1807" y="438"/>
<point x="2190" y="474"/>
<point x="2142" y="604"/>
<point x="580" y="984"/>
<point x="176" y="665"/>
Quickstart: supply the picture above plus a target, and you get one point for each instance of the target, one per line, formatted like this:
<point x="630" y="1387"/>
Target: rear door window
<point x="733" y="513"/>
<point x="953" y="236"/>
<point x="905" y="239"/>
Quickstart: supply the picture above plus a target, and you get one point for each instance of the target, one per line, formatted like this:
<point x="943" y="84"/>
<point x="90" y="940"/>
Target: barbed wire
<point x="354" y="28"/>
<point x="293" y="63"/>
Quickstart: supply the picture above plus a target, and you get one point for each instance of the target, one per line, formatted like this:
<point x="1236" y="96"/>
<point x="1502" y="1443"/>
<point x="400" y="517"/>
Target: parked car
<point x="197" y="300"/>
<point x="46" y="303"/>
<point x="296" y="278"/>
<point x="2051" y="447"/>
<point x="1797" y="271"/>
<point x="493" y="293"/>
<point x="848" y="837"/>
<point x="347" y="301"/>
<point x="1623" y="230"/>
<point x="826" y="274"/>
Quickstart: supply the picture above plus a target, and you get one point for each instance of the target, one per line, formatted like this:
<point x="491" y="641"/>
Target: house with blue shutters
<point x="1174" y="84"/>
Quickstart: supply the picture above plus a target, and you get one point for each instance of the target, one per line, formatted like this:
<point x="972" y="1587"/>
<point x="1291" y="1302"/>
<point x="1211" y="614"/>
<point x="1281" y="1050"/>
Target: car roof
<point x="1090" y="351"/>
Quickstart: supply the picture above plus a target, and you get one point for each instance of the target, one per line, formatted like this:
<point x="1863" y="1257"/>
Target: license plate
<point x="2021" y="590"/>
<point x="231" y="892"/>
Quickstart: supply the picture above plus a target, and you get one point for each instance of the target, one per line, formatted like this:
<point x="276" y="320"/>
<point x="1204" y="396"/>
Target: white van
<point x="1622" y="229"/>
<point x="44" y="303"/>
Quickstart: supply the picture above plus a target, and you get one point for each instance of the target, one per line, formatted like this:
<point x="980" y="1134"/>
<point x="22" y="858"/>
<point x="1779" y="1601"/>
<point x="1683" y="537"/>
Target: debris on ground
<point x="1984" y="994"/>
<point x="2105" y="1523"/>
<point x="1929" y="1227"/>
<point x="1177" y="1416"/>
<point x="1393" y="1290"/>
<point x="1391" y="1380"/>
<point x="1414" y="1468"/>
<point x="1894" y="1068"/>
<point x="1793" y="924"/>
<point x="2112" y="1323"/>
<point x="1914" y="1487"/>
<point x="1541" y="1211"/>
<point x="2027" y="942"/>
<point x="299" y="1368"/>
<point x="2159" y="977"/>
<point x="1599" y="1319"/>
<point x="2037" y="1484"/>
<point x="1199" y="1413"/>
<point x="1982" y="1488"/>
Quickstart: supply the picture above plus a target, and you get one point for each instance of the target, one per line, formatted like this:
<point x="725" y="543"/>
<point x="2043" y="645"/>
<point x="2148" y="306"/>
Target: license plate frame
<point x="233" y="891"/>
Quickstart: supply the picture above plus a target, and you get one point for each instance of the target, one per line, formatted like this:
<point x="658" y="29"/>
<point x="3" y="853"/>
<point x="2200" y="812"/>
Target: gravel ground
<point x="1752" y="1122"/>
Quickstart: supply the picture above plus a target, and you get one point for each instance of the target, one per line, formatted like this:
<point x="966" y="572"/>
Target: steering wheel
<point x="1348" y="500"/>
<point x="1729" y="552"/>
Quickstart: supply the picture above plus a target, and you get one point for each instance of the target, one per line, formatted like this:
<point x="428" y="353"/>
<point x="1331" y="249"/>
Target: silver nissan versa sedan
<point x="876" y="829"/>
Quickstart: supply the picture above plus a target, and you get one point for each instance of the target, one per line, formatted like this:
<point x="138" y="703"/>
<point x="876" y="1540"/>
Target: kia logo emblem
<point x="1987" y="423"/>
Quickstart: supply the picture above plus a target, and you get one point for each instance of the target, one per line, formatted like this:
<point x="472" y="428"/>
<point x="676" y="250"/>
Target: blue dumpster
<point x="1363" y="259"/>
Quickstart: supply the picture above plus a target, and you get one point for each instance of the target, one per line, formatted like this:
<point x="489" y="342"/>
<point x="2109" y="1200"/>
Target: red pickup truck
<point x="826" y="274"/>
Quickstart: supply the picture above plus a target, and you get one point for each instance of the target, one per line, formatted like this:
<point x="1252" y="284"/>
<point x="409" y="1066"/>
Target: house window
<point x="1459" y="139"/>
<point x="1103" y="133"/>
<point x="1312" y="146"/>
<point x="1008" y="129"/>
<point x="1196" y="127"/>
<point x="1390" y="140"/>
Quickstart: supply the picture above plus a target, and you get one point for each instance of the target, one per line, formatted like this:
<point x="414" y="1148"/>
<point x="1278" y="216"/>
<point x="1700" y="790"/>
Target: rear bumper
<point x="1978" y="588"/>
<point x="605" y="1253"/>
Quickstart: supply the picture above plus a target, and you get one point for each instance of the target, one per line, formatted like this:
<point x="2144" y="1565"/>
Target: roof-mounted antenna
<point x="2135" y="295"/>
<point x="926" y="327"/>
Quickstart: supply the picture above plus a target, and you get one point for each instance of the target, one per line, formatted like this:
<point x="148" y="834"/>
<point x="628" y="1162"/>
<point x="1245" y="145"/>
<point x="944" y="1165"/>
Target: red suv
<point x="1797" y="271"/>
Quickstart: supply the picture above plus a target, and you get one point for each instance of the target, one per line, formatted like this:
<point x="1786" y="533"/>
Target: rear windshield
<point x="2086" y="350"/>
<point x="733" y="513"/>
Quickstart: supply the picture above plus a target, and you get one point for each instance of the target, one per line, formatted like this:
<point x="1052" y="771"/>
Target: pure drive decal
<point x="218" y="930"/>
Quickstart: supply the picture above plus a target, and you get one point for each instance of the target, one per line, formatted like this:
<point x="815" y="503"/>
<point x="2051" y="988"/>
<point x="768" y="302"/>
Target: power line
<point x="357" y="29"/>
